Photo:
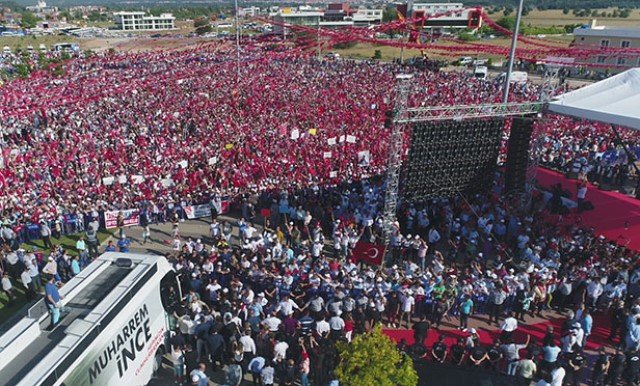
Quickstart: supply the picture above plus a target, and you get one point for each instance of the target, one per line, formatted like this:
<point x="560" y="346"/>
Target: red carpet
<point x="616" y="216"/>
<point x="599" y="335"/>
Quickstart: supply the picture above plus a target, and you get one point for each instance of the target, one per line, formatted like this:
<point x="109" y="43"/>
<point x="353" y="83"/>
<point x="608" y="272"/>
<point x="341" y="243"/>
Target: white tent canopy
<point x="615" y="101"/>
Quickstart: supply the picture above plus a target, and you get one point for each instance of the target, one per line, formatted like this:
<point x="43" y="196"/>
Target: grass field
<point x="556" y="17"/>
<point x="366" y="50"/>
<point x="8" y="309"/>
<point x="68" y="242"/>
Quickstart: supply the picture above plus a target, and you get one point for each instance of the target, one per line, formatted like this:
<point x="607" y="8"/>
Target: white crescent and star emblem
<point x="374" y="254"/>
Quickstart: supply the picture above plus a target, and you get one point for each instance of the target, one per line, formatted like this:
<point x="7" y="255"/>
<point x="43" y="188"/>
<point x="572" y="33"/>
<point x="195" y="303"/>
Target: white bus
<point x="114" y="331"/>
<point x="66" y="47"/>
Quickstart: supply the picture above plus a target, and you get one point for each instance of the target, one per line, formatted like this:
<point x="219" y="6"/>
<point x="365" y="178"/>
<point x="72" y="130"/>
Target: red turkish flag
<point x="368" y="253"/>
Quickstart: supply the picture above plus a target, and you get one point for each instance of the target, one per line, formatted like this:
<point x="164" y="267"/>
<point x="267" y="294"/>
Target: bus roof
<point x="31" y="353"/>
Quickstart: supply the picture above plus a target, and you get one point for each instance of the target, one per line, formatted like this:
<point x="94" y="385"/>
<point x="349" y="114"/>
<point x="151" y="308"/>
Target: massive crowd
<point x="591" y="150"/>
<point x="104" y="136"/>
<point x="162" y="130"/>
<point x="171" y="126"/>
<point x="273" y="302"/>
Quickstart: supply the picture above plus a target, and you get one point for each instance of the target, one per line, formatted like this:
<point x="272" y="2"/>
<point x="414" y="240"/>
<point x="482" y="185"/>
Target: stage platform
<point x="615" y="215"/>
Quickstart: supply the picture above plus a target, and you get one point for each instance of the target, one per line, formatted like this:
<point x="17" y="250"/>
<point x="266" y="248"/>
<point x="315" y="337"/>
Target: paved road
<point x="161" y="235"/>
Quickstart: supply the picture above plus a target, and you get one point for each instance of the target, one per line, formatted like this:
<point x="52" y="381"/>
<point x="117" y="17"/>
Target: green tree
<point x="389" y="14"/>
<point x="96" y="16"/>
<point x="507" y="11"/>
<point x="508" y="22"/>
<point x="373" y="359"/>
<point x="66" y="15"/>
<point x="345" y="45"/>
<point x="29" y="20"/>
<point x="467" y="37"/>
<point x="565" y="11"/>
<point x="202" y="25"/>
<point x="22" y="70"/>
<point x="377" y="54"/>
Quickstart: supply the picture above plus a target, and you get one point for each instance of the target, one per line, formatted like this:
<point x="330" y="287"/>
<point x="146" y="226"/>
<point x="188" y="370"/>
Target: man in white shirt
<point x="557" y="376"/>
<point x="34" y="273"/>
<point x="272" y="322"/>
<point x="248" y="346"/>
<point x="25" y="277"/>
<point x="407" y="308"/>
<point x="509" y="325"/>
<point x="214" y="229"/>
<point x="322" y="327"/>
<point x="337" y="325"/>
<point x="594" y="290"/>
<point x="286" y="306"/>
<point x="280" y="349"/>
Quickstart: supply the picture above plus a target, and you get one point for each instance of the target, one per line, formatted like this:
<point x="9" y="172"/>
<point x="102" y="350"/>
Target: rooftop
<point x="618" y="32"/>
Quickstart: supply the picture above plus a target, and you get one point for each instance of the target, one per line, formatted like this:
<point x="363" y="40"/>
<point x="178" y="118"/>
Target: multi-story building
<point x="337" y="12"/>
<point x="304" y="17"/>
<point x="337" y="15"/>
<point x="366" y="16"/>
<point x="42" y="10"/>
<point x="601" y="37"/>
<point x="451" y="16"/>
<point x="140" y="21"/>
<point x="249" y="12"/>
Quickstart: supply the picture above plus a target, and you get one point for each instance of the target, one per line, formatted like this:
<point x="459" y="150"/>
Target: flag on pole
<point x="368" y="253"/>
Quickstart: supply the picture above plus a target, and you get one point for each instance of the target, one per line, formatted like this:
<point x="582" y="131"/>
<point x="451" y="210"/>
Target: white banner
<point x="197" y="211"/>
<point x="130" y="217"/>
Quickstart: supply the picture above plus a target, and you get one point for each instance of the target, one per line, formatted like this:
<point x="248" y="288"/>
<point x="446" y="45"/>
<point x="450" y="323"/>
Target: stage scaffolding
<point x="402" y="116"/>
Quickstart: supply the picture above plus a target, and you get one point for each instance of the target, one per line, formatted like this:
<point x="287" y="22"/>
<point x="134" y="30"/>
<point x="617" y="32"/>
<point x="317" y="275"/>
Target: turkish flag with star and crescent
<point x="368" y="253"/>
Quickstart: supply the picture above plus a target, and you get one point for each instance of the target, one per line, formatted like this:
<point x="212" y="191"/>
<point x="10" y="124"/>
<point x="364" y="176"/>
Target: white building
<point x="42" y="9"/>
<point x="597" y="36"/>
<point x="303" y="17"/>
<point x="456" y="16"/>
<point x="367" y="16"/>
<point x="140" y="21"/>
<point x="249" y="12"/>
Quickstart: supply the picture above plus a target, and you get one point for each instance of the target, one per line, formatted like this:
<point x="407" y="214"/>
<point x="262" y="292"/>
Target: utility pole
<point x="318" y="40"/>
<point x="237" y="43"/>
<point x="514" y="43"/>
<point x="402" y="47"/>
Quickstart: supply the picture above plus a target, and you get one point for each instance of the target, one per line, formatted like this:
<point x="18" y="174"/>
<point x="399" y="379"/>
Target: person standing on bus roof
<point x="123" y="244"/>
<point x="53" y="298"/>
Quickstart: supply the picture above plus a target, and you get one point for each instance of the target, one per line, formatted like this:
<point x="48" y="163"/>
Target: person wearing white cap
<point x="198" y="376"/>
<point x="51" y="268"/>
<point x="472" y="340"/>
